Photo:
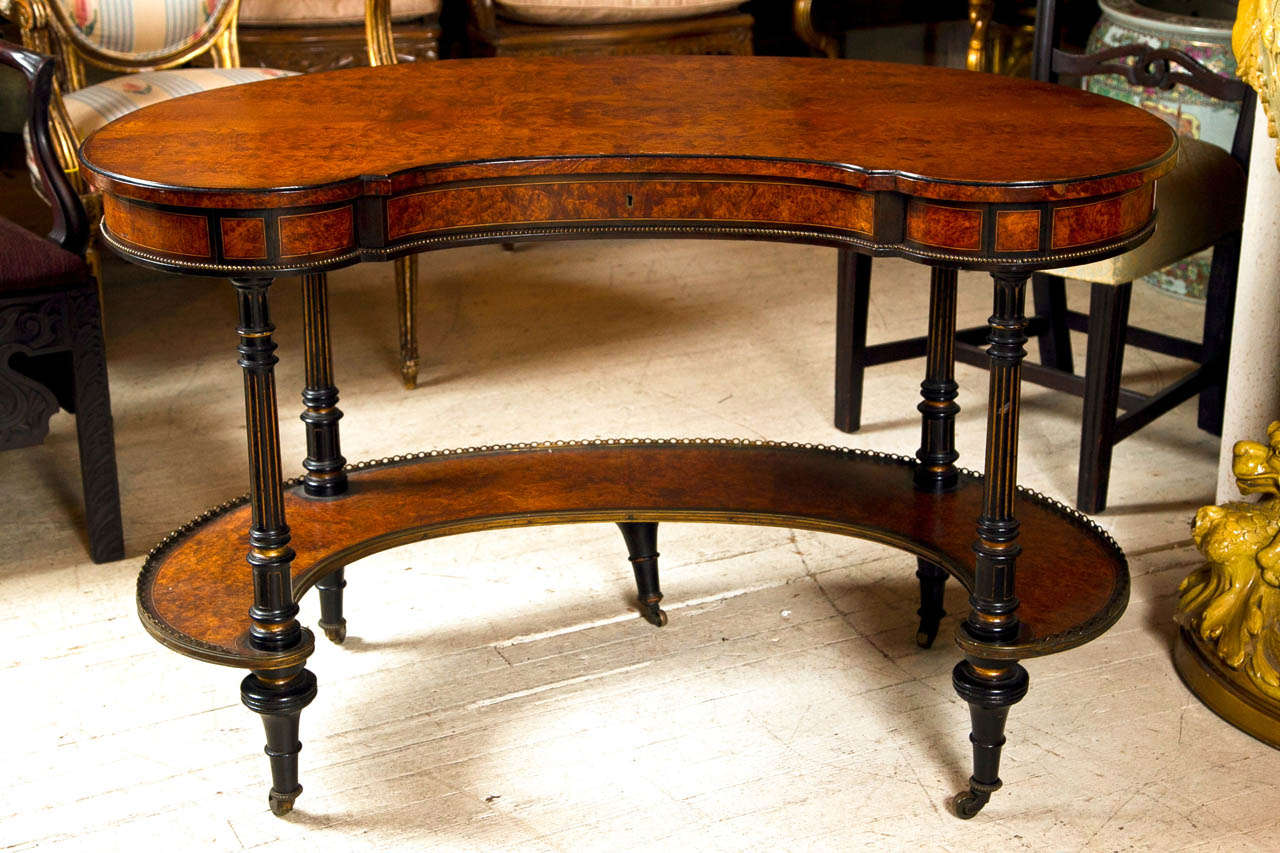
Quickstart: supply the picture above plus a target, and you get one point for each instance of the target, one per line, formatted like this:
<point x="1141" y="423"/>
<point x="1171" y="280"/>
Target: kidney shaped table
<point x="952" y="169"/>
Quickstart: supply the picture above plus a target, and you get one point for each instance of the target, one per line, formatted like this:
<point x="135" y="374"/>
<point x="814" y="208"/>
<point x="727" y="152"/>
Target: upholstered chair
<point x="507" y="27"/>
<point x="51" y="350"/>
<point x="141" y="41"/>
<point x="320" y="35"/>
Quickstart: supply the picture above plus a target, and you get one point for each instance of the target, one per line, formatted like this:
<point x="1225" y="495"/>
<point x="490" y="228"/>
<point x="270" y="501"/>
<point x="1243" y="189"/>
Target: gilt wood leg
<point x="642" y="549"/>
<point x="406" y="300"/>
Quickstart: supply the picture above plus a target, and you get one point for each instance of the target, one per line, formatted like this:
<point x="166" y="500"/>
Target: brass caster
<point x="282" y="804"/>
<point x="653" y="614"/>
<point x="409" y="374"/>
<point x="969" y="803"/>
<point x="336" y="633"/>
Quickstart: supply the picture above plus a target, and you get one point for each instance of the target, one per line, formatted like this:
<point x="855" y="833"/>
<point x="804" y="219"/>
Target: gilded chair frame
<point x="45" y="28"/>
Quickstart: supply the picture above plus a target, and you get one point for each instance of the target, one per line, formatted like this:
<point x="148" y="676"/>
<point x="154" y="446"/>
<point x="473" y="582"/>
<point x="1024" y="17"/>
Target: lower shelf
<point x="194" y="592"/>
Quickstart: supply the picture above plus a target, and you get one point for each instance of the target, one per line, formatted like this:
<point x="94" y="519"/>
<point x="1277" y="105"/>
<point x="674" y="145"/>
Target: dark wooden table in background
<point x="948" y="168"/>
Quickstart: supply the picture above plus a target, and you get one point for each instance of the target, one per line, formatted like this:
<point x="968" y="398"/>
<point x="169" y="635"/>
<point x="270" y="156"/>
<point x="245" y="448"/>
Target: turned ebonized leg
<point x="853" y="291"/>
<point x="280" y="693"/>
<point x="990" y="687"/>
<point x="936" y="471"/>
<point x="933" y="581"/>
<point x="325" y="466"/>
<point x="331" y="621"/>
<point x="94" y="431"/>
<point x="1050" y="297"/>
<point x="642" y="549"/>
<point x="406" y="300"/>
<point x="1108" y="318"/>
<point x="280" y="696"/>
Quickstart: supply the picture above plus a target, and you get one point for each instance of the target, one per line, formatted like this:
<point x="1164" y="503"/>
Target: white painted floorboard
<point x="498" y="692"/>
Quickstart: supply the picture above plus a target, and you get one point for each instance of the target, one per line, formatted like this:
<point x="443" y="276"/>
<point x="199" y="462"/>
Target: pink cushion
<point x="301" y="13"/>
<point x="608" y="11"/>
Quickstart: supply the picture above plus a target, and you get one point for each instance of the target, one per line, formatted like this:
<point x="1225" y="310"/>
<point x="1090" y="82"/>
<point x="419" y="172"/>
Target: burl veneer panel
<point x="930" y="132"/>
<point x="570" y="201"/>
<point x="317" y="233"/>
<point x="157" y="230"/>
<point x="1072" y="582"/>
<point x="1081" y="224"/>
<point x="244" y="238"/>
<point x="944" y="227"/>
<point x="1017" y="230"/>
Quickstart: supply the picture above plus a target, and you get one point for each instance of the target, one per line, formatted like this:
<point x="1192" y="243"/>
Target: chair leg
<point x="853" y="291"/>
<point x="406" y="299"/>
<point x="1219" y="308"/>
<point x="1108" y="319"/>
<point x="94" y="430"/>
<point x="642" y="549"/>
<point x="1049" y="295"/>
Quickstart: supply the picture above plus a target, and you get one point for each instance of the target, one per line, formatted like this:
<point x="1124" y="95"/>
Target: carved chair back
<point x="1143" y="65"/>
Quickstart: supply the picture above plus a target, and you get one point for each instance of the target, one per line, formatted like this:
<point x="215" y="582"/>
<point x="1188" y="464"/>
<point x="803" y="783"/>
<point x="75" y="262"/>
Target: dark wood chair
<point x="51" y="351"/>
<point x="512" y="27"/>
<point x="1200" y="204"/>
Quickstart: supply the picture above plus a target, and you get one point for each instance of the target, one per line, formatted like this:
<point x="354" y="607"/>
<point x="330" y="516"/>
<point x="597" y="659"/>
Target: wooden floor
<point x="498" y="692"/>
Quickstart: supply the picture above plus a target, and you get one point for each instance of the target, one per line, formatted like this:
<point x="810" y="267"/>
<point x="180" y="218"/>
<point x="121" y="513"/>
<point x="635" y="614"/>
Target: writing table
<point x="952" y="169"/>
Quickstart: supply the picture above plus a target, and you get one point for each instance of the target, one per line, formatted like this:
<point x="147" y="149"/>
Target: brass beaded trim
<point x="1045" y="261"/>
<point x="219" y="654"/>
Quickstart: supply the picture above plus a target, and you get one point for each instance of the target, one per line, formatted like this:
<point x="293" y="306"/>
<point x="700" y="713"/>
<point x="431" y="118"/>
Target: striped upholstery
<point x="142" y="27"/>
<point x="93" y="106"/>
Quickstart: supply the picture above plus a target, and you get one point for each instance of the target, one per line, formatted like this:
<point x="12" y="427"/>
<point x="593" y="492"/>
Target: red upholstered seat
<point x="30" y="262"/>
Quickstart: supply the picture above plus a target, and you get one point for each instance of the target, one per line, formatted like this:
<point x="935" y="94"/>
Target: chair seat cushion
<point x="93" y="106"/>
<point x="30" y="262"/>
<point x="305" y="13"/>
<point x="608" y="11"/>
<point x="1198" y="203"/>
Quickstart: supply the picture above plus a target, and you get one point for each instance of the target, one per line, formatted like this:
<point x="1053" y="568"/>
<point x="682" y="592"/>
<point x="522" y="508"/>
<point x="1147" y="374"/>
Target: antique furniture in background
<point x="1000" y="33"/>
<point x="1202" y="30"/>
<point x="144" y="39"/>
<point x="514" y="27"/>
<point x="320" y="35"/>
<point x="1201" y="204"/>
<point x="1008" y="197"/>
<point x="51" y="350"/>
